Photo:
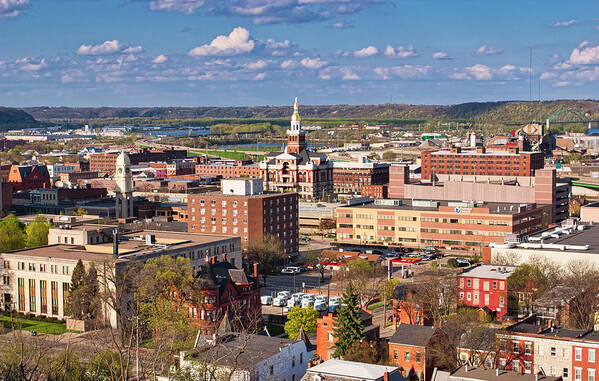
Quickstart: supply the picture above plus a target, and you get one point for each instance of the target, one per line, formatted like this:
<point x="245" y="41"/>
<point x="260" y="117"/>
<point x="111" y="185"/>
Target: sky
<point x="85" y="53"/>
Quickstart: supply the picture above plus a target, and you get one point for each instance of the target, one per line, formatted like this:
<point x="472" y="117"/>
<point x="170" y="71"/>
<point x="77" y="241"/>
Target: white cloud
<point x="459" y="76"/>
<point x="404" y="72"/>
<point x="107" y="47"/>
<point x="272" y="44"/>
<point x="313" y="63"/>
<point x="480" y="72"/>
<point x="440" y="56"/>
<point x="565" y="24"/>
<point x="27" y="64"/>
<point x="259" y="76"/>
<point x="585" y="54"/>
<point x="561" y="84"/>
<point x="12" y="8"/>
<point x="237" y="42"/>
<point x="507" y="69"/>
<point x="160" y="59"/>
<point x="288" y="64"/>
<point x="258" y="65"/>
<point x="581" y="76"/>
<point x="185" y="6"/>
<point x="400" y="51"/>
<point x="486" y="50"/>
<point x="366" y="52"/>
<point x="547" y="75"/>
<point x="133" y="49"/>
<point x="348" y="74"/>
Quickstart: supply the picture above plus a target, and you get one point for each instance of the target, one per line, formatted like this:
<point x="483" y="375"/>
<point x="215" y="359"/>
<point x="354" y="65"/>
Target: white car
<point x="293" y="303"/>
<point x="335" y="299"/>
<point x="307" y="303"/>
<point x="290" y="270"/>
<point x="323" y="298"/>
<point x="266" y="299"/>
<point x="297" y="296"/>
<point x="333" y="307"/>
<point x="279" y="302"/>
<point x="283" y="294"/>
<point x="320" y="305"/>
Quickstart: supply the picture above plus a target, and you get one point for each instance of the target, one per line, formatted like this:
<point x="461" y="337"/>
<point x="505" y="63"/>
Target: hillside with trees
<point x="13" y="119"/>
<point x="505" y="112"/>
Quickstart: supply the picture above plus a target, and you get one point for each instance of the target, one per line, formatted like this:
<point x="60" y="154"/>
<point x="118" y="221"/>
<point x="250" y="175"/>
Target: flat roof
<point x="474" y="153"/>
<point x="352" y="369"/>
<point x="588" y="236"/>
<point x="474" y="374"/>
<point x="264" y="194"/>
<point x="504" y="208"/>
<point x="62" y="252"/>
<point x="489" y="272"/>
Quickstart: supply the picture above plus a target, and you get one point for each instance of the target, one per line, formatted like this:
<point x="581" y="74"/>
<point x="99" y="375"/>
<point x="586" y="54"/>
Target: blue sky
<point x="265" y="52"/>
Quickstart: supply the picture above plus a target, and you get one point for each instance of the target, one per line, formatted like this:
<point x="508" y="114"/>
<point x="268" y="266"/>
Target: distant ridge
<point x="480" y="112"/>
<point x="13" y="119"/>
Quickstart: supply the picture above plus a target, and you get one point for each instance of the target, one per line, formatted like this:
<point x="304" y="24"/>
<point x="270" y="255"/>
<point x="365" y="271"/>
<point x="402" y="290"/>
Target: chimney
<point x="466" y="368"/>
<point x="496" y="372"/>
<point x="256" y="273"/>
<point x="115" y="243"/>
<point x="386" y="376"/>
<point x="224" y="256"/>
<point x="536" y="377"/>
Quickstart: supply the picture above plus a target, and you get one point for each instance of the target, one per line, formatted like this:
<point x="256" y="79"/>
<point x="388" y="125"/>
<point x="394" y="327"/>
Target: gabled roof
<point x="301" y="335"/>
<point x="220" y="274"/>
<point x="414" y="335"/>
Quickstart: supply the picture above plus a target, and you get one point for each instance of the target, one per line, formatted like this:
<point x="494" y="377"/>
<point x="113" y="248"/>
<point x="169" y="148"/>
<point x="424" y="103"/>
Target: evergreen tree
<point x="90" y="293"/>
<point x="348" y="325"/>
<point x="76" y="299"/>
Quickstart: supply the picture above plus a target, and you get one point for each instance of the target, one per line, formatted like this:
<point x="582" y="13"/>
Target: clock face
<point x="120" y="170"/>
<point x="127" y="170"/>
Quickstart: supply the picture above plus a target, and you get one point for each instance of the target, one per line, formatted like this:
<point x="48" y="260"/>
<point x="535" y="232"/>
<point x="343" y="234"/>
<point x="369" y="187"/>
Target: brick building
<point x="325" y="326"/>
<point x="350" y="177"/>
<point x="479" y="162"/>
<point x="27" y="177"/>
<point x="485" y="286"/>
<point x="375" y="191"/>
<point x="226" y="170"/>
<point x="243" y="209"/>
<point x="227" y="293"/>
<point x="543" y="188"/>
<point x="409" y="349"/>
<point x="106" y="162"/>
<point x="445" y="224"/>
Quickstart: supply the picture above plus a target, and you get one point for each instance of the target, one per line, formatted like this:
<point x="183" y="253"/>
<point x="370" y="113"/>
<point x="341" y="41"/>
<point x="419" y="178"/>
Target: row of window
<point x="41" y="267"/>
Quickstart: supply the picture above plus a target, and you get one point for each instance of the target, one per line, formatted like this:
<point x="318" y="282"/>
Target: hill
<point x="13" y="119"/>
<point x="506" y="112"/>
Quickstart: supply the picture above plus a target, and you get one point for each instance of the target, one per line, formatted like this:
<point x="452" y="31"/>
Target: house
<point x="226" y="291"/>
<point x="27" y="177"/>
<point x="485" y="286"/>
<point x="325" y="339"/>
<point x="247" y="357"/>
<point x="352" y="371"/>
<point x="410" y="349"/>
<point x="406" y="309"/>
<point x="464" y="373"/>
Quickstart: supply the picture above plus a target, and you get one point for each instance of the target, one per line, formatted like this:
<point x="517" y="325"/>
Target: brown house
<point x="28" y="177"/>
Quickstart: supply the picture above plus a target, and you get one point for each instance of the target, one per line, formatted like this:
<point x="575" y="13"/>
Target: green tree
<point x="386" y="289"/>
<point x="529" y="281"/>
<point x="301" y="317"/>
<point x="389" y="155"/>
<point x="326" y="225"/>
<point x="349" y="326"/>
<point x="37" y="232"/>
<point x="268" y="253"/>
<point x="12" y="235"/>
<point x="67" y="367"/>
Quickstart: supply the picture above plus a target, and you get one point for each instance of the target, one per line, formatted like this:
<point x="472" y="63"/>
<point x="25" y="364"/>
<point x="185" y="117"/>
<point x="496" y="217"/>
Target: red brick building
<point x="325" y="340"/>
<point x="243" y="209"/>
<point x="106" y="162"/>
<point x="375" y="191"/>
<point x="485" y="286"/>
<point x="228" y="170"/>
<point x="227" y="292"/>
<point x="27" y="177"/>
<point x="409" y="348"/>
<point x="349" y="178"/>
<point x="479" y="162"/>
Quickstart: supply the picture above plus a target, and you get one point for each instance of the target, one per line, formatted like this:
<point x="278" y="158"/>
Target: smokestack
<point x="224" y="256"/>
<point x="115" y="243"/>
<point x="386" y="376"/>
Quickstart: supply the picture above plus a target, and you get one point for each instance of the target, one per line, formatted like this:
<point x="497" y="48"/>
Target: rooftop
<point x="503" y="208"/>
<point x="334" y="368"/>
<point x="415" y="335"/>
<point x="489" y="272"/>
<point x="474" y="153"/>
<point x="475" y="374"/>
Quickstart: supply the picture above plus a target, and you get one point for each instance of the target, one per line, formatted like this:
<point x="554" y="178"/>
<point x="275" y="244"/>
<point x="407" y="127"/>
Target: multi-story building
<point x="227" y="169"/>
<point x="350" y="177"/>
<point x="56" y="200"/>
<point x="409" y="349"/>
<point x="54" y="170"/>
<point x="245" y="210"/>
<point x="447" y="224"/>
<point x="479" y="162"/>
<point x="106" y="162"/>
<point x="485" y="286"/>
<point x="227" y="292"/>
<point x="543" y="188"/>
<point x="310" y="174"/>
<point x="325" y="339"/>
<point x="375" y="191"/>
<point x="27" y="177"/>
<point x="37" y="280"/>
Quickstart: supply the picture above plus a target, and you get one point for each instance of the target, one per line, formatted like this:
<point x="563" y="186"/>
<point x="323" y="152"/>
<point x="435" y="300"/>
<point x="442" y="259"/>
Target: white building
<point x="352" y="371"/>
<point x="56" y="169"/>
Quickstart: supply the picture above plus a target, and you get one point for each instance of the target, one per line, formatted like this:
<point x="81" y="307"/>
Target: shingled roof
<point x="414" y="335"/>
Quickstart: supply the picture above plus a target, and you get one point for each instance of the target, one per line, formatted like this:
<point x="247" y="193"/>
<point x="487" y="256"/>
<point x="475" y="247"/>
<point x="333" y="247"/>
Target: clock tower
<point x="124" y="187"/>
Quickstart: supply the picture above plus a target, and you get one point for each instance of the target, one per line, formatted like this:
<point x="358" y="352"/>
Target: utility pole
<point x="137" y="348"/>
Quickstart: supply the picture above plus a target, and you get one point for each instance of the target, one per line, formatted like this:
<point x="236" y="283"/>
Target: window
<point x="395" y="355"/>
<point x="527" y="367"/>
<point x="591" y="375"/>
<point x="515" y="347"/>
<point x="406" y="356"/>
<point x="527" y="348"/>
<point x="516" y="366"/>
<point x="591" y="355"/>
<point x="565" y="373"/>
<point x="418" y="357"/>
<point x="502" y="363"/>
<point x="553" y="351"/>
<point x="301" y="354"/>
<point x="578" y="354"/>
<point x="271" y="370"/>
<point x="293" y="361"/>
<point x="578" y="374"/>
<point x="540" y="350"/>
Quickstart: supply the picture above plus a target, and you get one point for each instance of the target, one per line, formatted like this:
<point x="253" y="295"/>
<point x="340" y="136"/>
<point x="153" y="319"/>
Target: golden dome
<point x="295" y="117"/>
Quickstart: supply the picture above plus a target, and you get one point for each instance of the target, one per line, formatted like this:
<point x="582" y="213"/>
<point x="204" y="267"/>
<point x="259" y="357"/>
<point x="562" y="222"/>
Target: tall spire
<point x="296" y="137"/>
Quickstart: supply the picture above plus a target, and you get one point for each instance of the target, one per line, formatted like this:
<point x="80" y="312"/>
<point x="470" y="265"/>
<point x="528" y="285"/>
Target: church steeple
<point x="296" y="137"/>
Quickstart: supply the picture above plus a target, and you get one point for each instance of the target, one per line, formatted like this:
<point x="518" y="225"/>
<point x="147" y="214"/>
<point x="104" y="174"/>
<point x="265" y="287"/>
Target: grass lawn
<point x="275" y="329"/>
<point x="53" y="328"/>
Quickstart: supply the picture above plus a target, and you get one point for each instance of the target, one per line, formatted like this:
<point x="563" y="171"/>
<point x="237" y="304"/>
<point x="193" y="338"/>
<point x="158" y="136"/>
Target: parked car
<point x="335" y="299"/>
<point x="322" y="297"/>
<point x="266" y="299"/>
<point x="297" y="296"/>
<point x="303" y="268"/>
<point x="307" y="303"/>
<point x="290" y="270"/>
<point x="279" y="302"/>
<point x="293" y="303"/>
<point x="462" y="262"/>
<point x="306" y="239"/>
<point x="320" y="305"/>
<point x="284" y="294"/>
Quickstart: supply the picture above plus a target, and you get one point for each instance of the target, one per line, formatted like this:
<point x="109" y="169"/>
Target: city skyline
<point x="264" y="52"/>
